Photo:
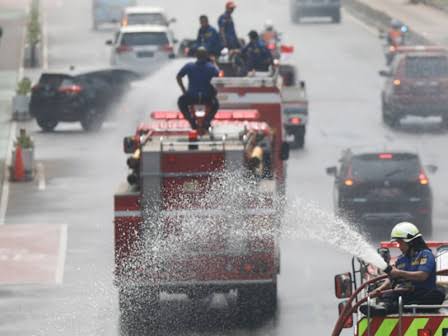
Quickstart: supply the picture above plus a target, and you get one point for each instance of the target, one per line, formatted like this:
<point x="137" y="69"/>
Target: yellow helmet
<point x="405" y="231"/>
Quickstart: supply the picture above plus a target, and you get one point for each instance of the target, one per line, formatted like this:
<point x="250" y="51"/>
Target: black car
<point x="383" y="188"/>
<point x="84" y="97"/>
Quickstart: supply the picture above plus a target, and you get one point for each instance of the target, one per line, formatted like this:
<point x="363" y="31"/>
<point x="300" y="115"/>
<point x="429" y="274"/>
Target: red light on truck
<point x="385" y="156"/>
<point x="423" y="178"/>
<point x="193" y="135"/>
<point x="424" y="332"/>
<point x="397" y="82"/>
<point x="348" y="182"/>
<point x="295" y="120"/>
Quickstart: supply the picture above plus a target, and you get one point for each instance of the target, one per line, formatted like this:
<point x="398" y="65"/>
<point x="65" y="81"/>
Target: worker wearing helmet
<point x="256" y="54"/>
<point x="414" y="270"/>
<point x="227" y="31"/>
<point x="200" y="90"/>
<point x="208" y="37"/>
<point x="269" y="34"/>
<point x="395" y="33"/>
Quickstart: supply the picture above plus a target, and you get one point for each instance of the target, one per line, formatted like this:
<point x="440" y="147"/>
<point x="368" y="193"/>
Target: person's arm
<point x="387" y="284"/>
<point x="418" y="276"/>
<point x="426" y="265"/>
<point x="179" y="77"/>
<point x="222" y="31"/>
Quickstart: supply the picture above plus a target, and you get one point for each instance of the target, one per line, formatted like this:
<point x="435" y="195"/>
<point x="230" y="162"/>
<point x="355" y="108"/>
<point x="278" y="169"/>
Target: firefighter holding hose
<point x="414" y="270"/>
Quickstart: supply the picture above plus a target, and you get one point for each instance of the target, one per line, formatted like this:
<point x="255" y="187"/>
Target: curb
<point x="379" y="19"/>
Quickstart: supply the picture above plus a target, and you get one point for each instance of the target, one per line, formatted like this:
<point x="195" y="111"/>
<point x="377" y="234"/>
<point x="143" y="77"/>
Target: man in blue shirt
<point x="200" y="90"/>
<point x="208" y="37"/>
<point x="414" y="270"/>
<point x="256" y="54"/>
<point x="227" y="28"/>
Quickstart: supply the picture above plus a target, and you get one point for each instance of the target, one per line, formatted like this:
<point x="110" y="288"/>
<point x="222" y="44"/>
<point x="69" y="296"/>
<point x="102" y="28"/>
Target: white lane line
<point x="370" y="29"/>
<point x="40" y="176"/>
<point x="8" y="161"/>
<point x="61" y="255"/>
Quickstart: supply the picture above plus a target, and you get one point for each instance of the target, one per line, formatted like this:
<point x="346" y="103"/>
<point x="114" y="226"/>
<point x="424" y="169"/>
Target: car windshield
<point x="52" y="80"/>
<point x="141" y="39"/>
<point x="146" y="18"/>
<point x="436" y="66"/>
<point x="385" y="166"/>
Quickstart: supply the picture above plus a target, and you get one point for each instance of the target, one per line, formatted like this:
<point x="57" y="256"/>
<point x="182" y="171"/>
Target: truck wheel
<point x="92" y="121"/>
<point x="299" y="138"/>
<point x="47" y="125"/>
<point x="389" y="118"/>
<point x="336" y="18"/>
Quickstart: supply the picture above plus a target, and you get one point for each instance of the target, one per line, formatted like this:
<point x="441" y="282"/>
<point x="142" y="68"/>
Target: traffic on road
<point x="179" y="184"/>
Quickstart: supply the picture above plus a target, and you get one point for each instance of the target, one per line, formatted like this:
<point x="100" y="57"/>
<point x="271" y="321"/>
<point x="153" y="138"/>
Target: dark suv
<point x="84" y="97"/>
<point x="416" y="84"/>
<point x="383" y="188"/>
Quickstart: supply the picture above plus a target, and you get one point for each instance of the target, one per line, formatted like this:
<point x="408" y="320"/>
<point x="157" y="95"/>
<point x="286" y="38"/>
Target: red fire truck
<point x="412" y="320"/>
<point x="198" y="215"/>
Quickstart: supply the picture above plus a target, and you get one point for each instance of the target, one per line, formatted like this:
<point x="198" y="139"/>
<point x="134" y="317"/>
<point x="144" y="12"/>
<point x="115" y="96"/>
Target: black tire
<point x="47" y="125"/>
<point x="92" y="121"/>
<point x="388" y="117"/>
<point x="336" y="18"/>
<point x="258" y="298"/>
<point x="299" y="138"/>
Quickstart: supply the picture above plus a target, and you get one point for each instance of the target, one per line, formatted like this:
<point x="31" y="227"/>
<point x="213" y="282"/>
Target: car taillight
<point x="35" y="87"/>
<point x="295" y="120"/>
<point x="423" y="178"/>
<point x="123" y="49"/>
<point x="348" y="182"/>
<point x="70" y="89"/>
<point x="385" y="156"/>
<point x="167" y="48"/>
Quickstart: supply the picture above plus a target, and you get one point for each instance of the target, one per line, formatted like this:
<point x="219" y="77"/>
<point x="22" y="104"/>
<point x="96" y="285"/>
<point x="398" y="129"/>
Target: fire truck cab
<point x="411" y="320"/>
<point x="198" y="214"/>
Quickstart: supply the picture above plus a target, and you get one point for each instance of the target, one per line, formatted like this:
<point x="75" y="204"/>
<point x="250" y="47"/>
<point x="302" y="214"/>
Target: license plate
<point x="145" y="54"/>
<point x="386" y="192"/>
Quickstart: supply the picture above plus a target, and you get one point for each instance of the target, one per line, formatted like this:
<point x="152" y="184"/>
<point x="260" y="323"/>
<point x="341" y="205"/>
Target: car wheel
<point x="336" y="18"/>
<point x="47" y="125"/>
<point x="92" y="121"/>
<point x="389" y="118"/>
<point x="299" y="138"/>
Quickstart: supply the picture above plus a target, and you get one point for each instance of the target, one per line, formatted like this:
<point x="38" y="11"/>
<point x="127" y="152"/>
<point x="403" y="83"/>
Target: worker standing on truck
<point x="256" y="55"/>
<point x="229" y="39"/>
<point x="200" y="89"/>
<point x="414" y="270"/>
<point x="208" y="37"/>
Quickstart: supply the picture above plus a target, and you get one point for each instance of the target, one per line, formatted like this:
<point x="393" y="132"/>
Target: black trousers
<point x="186" y="100"/>
<point x="420" y="296"/>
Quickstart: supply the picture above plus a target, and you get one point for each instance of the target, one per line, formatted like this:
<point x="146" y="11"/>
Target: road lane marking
<point x="40" y="176"/>
<point x="32" y="254"/>
<point x="62" y="255"/>
<point x="370" y="29"/>
<point x="5" y="187"/>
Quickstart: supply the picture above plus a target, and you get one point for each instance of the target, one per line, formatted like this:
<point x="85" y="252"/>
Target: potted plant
<point x="27" y="148"/>
<point x="21" y="101"/>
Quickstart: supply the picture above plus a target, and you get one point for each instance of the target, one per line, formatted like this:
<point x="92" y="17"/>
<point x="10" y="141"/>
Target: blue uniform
<point x="230" y="40"/>
<point x="423" y="261"/>
<point x="199" y="74"/>
<point x="257" y="56"/>
<point x="209" y="39"/>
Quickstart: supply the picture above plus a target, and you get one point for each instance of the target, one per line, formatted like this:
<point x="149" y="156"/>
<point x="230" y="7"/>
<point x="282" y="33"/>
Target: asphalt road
<point x="339" y="64"/>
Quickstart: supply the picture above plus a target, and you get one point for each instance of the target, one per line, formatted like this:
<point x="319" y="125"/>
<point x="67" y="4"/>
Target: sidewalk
<point x="428" y="21"/>
<point x="12" y="20"/>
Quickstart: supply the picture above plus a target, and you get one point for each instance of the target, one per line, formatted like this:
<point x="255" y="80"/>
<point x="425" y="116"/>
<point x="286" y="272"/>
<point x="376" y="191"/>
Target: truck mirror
<point x="303" y="84"/>
<point x="348" y="323"/>
<point x="431" y="168"/>
<point x="384" y="252"/>
<point x="332" y="171"/>
<point x="343" y="285"/>
<point x="130" y="145"/>
<point x="284" y="151"/>
<point x="385" y="73"/>
<point x="109" y="42"/>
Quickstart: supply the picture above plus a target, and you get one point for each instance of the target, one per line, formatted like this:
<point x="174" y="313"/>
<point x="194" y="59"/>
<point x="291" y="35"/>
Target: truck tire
<point x="389" y="118"/>
<point x="299" y="138"/>
<point x="258" y="299"/>
<point x="47" y="125"/>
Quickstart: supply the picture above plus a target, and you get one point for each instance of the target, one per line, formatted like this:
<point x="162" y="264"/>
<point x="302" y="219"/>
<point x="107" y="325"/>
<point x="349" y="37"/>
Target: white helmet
<point x="269" y="25"/>
<point x="405" y="231"/>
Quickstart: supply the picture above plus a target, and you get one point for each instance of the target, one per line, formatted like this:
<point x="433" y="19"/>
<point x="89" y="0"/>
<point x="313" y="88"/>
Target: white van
<point x="109" y="11"/>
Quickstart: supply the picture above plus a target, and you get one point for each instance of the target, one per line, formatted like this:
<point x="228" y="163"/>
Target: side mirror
<point x="284" y="151"/>
<point x="332" y="171"/>
<point x="171" y="56"/>
<point x="348" y="323"/>
<point x="384" y="252"/>
<point x="172" y="20"/>
<point x="109" y="42"/>
<point x="343" y="285"/>
<point x="385" y="73"/>
<point x="1" y="32"/>
<point x="175" y="40"/>
<point x="303" y="84"/>
<point x="130" y="144"/>
<point x="431" y="168"/>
